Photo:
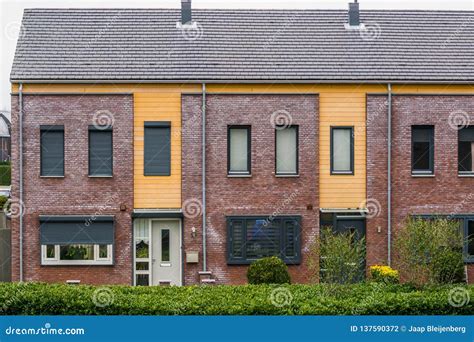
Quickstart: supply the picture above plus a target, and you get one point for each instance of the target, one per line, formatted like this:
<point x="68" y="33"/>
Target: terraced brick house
<point x="156" y="146"/>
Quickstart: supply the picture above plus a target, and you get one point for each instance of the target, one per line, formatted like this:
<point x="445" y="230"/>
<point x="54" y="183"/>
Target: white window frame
<point x="56" y="261"/>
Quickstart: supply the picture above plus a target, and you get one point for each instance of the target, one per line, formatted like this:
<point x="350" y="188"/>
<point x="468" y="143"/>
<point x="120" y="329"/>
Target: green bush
<point x="271" y="270"/>
<point x="323" y="299"/>
<point x="384" y="274"/>
<point x="3" y="200"/>
<point x="337" y="258"/>
<point x="430" y="251"/>
<point x="5" y="174"/>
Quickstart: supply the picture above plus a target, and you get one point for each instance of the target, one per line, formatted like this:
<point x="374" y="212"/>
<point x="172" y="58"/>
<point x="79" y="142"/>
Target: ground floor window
<point x="77" y="240"/>
<point x="251" y="238"/>
<point x="77" y="254"/>
<point x="142" y="238"/>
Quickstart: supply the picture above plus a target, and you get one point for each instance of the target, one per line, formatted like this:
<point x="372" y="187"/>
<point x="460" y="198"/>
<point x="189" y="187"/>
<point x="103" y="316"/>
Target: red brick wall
<point x="261" y="194"/>
<point x="76" y="193"/>
<point x="445" y="193"/>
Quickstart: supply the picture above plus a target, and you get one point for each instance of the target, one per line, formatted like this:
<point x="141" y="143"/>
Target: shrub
<point x="322" y="299"/>
<point x="3" y="200"/>
<point x="337" y="258"/>
<point x="384" y="274"/>
<point x="5" y="174"/>
<point x="430" y="251"/>
<point x="271" y="270"/>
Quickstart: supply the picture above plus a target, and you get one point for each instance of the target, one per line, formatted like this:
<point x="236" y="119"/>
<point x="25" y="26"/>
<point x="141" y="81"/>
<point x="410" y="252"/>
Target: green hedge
<point x="357" y="299"/>
<point x="5" y="174"/>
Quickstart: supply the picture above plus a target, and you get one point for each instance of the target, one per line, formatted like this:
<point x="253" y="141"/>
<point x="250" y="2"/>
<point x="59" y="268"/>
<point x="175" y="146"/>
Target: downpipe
<point x="389" y="176"/>
<point x="203" y="146"/>
<point x="20" y="169"/>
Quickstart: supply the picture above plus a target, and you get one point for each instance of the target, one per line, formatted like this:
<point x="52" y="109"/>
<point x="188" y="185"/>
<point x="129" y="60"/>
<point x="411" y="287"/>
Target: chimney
<point x="186" y="12"/>
<point x="354" y="19"/>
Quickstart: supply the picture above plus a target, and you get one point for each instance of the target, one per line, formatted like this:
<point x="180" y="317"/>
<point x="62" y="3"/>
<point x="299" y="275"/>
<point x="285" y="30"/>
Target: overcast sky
<point x="11" y="13"/>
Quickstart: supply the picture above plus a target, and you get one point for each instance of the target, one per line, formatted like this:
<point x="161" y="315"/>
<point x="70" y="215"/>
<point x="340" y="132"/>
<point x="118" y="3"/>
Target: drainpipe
<point x="389" y="177"/>
<point x="203" y="146"/>
<point x="20" y="150"/>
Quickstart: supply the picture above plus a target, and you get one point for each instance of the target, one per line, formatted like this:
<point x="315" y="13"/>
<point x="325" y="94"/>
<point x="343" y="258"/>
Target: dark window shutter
<point x="157" y="160"/>
<point x="100" y="152"/>
<point x="466" y="134"/>
<point x="236" y="239"/>
<point x="65" y="230"/>
<point x="52" y="150"/>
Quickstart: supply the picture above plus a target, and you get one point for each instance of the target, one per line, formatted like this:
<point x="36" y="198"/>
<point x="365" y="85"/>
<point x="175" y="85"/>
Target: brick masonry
<point x="76" y="193"/>
<point x="261" y="194"/>
<point x="445" y="193"/>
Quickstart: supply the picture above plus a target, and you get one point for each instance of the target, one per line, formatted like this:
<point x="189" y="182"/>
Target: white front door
<point x="166" y="252"/>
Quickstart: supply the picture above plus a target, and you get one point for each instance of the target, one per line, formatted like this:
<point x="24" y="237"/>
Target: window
<point x="238" y="150"/>
<point x="142" y="235"/>
<point x="252" y="238"/>
<point x="100" y="152"/>
<point x="469" y="241"/>
<point x="342" y="150"/>
<point x="165" y="245"/>
<point x="76" y="240"/>
<point x="422" y="149"/>
<point x="157" y="160"/>
<point x="52" y="151"/>
<point x="286" y="150"/>
<point x="465" y="150"/>
<point x="73" y="254"/>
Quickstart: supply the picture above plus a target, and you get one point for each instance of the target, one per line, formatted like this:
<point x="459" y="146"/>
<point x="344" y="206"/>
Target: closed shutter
<point x="100" y="152"/>
<point x="65" y="230"/>
<point x="466" y="134"/>
<point x="157" y="148"/>
<point x="236" y="236"/>
<point x="52" y="150"/>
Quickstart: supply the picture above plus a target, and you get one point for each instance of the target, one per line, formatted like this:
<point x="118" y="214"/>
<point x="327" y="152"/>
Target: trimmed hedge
<point x="356" y="299"/>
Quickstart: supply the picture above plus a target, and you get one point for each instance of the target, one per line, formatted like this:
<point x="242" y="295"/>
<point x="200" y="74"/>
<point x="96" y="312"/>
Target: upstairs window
<point x="238" y="150"/>
<point x="422" y="149"/>
<point x="100" y="152"/>
<point x="52" y="151"/>
<point x="157" y="159"/>
<point x="342" y="150"/>
<point x="286" y="150"/>
<point x="465" y="150"/>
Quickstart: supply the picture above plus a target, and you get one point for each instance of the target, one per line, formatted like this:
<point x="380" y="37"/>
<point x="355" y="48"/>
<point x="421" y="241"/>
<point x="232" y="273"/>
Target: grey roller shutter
<point x="100" y="152"/>
<point x="52" y="150"/>
<point x="64" y="230"/>
<point x="157" y="160"/>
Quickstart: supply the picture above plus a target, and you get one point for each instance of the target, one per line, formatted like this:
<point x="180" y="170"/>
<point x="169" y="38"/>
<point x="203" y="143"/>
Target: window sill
<point x="90" y="176"/>
<point x="348" y="173"/>
<point x="239" y="176"/>
<point x="422" y="175"/>
<point x="287" y="176"/>
<point x="51" y="176"/>
<point x="77" y="263"/>
<point x="466" y="175"/>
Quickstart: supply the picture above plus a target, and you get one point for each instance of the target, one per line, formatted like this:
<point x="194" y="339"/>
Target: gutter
<point x="226" y="81"/>
<point x="203" y="146"/>
<point x="389" y="176"/>
<point x="20" y="122"/>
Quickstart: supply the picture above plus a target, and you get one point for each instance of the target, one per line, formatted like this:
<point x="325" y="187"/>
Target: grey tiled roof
<point x="244" y="45"/>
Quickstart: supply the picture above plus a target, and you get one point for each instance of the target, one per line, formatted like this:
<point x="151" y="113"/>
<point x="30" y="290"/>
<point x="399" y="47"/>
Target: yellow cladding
<point x="339" y="105"/>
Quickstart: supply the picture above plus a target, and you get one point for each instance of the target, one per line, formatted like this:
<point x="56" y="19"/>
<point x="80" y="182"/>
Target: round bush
<point x="270" y="270"/>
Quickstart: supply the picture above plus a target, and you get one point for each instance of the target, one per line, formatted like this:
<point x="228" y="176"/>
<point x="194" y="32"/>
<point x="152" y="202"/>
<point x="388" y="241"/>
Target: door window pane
<point x="287" y="150"/>
<point x="142" y="249"/>
<point x="143" y="280"/>
<point x="165" y="245"/>
<point x="342" y="150"/>
<point x="470" y="239"/>
<point x="239" y="150"/>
